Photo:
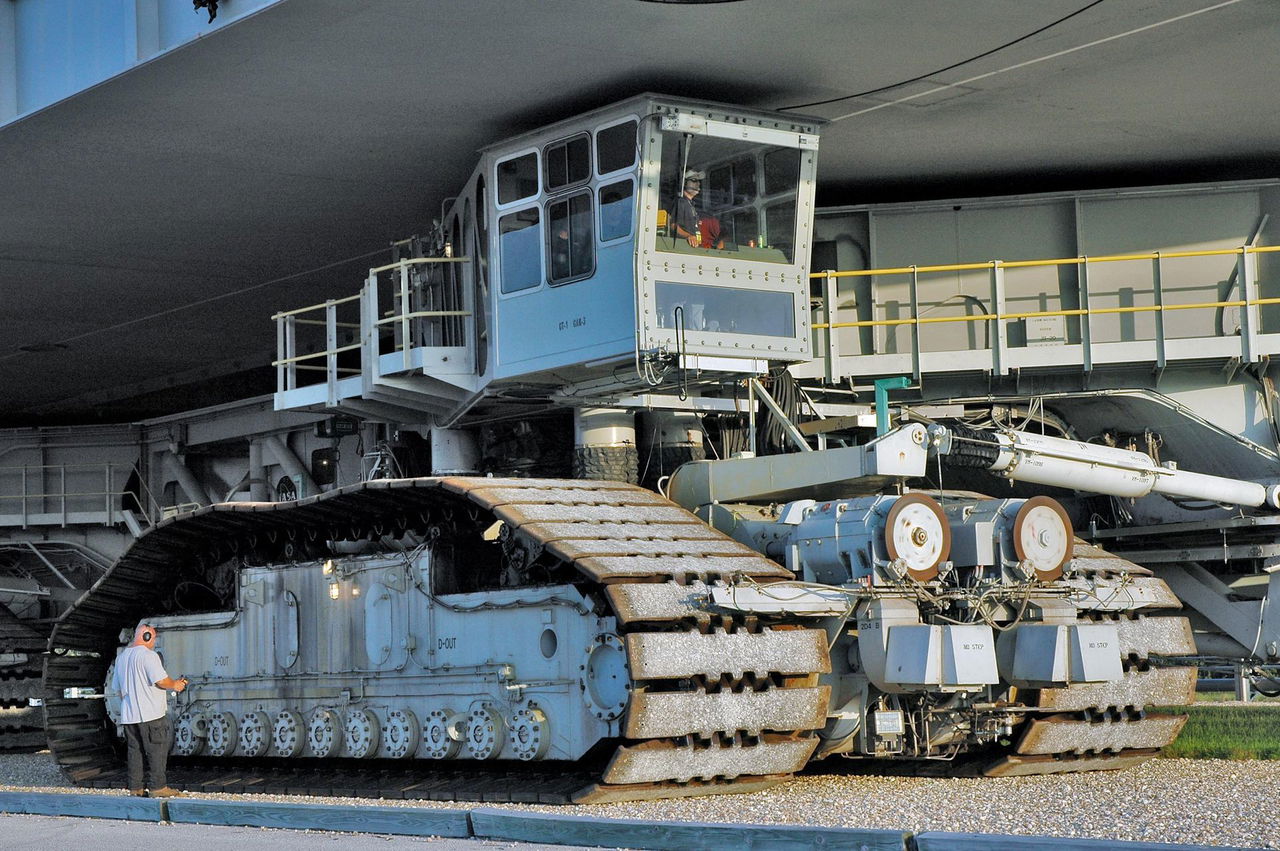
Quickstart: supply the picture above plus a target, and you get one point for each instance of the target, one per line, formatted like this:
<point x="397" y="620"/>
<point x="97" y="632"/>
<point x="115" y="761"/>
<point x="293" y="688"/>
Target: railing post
<point x="371" y="345"/>
<point x="469" y="339"/>
<point x="107" y="491"/>
<point x="281" y="366"/>
<point x="62" y="478"/>
<point x="24" y="496"/>
<point x="1158" y="293"/>
<point x="915" y="323"/>
<point x="405" y="339"/>
<point x="1086" y="321"/>
<point x="331" y="349"/>
<point x="291" y="352"/>
<point x="152" y="510"/>
<point x="999" y="337"/>
<point x="1249" y="317"/>
<point x="829" y="314"/>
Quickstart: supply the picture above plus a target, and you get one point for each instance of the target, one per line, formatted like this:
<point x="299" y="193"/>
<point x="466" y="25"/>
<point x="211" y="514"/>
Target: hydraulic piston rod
<point x="1026" y="457"/>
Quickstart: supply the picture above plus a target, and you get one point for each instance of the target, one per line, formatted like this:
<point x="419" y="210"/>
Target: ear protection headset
<point x="147" y="635"/>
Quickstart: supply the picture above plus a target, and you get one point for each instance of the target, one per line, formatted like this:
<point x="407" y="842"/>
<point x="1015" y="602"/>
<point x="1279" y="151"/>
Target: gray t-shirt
<point x="137" y="671"/>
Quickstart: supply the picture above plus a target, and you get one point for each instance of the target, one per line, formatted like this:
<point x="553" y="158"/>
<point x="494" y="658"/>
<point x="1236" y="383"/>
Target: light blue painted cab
<point x="577" y="260"/>
<point x="650" y="243"/>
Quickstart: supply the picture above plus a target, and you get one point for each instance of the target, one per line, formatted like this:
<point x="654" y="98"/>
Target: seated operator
<point x="699" y="231"/>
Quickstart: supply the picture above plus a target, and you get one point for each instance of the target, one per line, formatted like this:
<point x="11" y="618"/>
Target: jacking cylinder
<point x="878" y="539"/>
<point x="604" y="445"/>
<point x="667" y="440"/>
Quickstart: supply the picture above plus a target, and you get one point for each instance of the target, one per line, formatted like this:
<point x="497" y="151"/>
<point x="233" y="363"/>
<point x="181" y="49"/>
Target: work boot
<point x="138" y="793"/>
<point x="166" y="792"/>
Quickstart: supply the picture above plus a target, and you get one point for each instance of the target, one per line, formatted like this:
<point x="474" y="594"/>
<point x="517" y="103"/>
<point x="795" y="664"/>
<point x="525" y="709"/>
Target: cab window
<point x="710" y="192"/>
<point x="616" y="147"/>
<point x="780" y="228"/>
<point x="517" y="178"/>
<point x="615" y="209"/>
<point x="520" y="248"/>
<point x="567" y="162"/>
<point x="570" y="241"/>
<point x="746" y="228"/>
<point x="781" y="170"/>
<point x="733" y="184"/>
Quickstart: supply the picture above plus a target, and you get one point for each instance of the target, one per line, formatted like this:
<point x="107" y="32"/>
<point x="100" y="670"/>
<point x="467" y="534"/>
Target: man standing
<point x="683" y="214"/>
<point x="141" y="681"/>
<point x="689" y="224"/>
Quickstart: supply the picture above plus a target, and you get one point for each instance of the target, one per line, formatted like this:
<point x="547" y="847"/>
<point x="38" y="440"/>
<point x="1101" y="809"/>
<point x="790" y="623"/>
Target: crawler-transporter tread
<point x="505" y="622"/>
<point x="21" y="724"/>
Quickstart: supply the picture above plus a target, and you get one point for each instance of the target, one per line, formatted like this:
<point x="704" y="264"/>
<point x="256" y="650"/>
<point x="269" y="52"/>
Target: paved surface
<point x="43" y="833"/>
<point x="1206" y="802"/>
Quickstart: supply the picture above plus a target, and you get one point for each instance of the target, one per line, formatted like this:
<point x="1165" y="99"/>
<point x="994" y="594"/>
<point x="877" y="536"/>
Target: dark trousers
<point x="152" y="739"/>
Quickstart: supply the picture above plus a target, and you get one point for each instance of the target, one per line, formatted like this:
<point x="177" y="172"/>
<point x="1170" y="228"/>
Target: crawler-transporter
<point x="545" y="569"/>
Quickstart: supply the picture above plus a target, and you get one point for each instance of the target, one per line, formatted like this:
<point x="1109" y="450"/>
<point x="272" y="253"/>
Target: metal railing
<point x="996" y="349"/>
<point x="421" y="311"/>
<point x="288" y="362"/>
<point x="73" y="494"/>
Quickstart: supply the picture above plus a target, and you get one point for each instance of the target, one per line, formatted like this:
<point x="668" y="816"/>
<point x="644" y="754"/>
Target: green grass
<point x="1218" y="696"/>
<point x="1228" y="732"/>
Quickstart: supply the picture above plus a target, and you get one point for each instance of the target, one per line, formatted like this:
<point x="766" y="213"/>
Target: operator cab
<point x="579" y="260"/>
<point x="562" y="269"/>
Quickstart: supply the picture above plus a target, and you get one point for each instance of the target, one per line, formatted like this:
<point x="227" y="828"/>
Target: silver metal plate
<point x="555" y="513"/>
<point x="671" y="714"/>
<point x="1019" y="766"/>
<point x="1130" y="594"/>
<point x="782" y="598"/>
<point x="621" y="531"/>
<point x="650" y="763"/>
<point x="671" y="655"/>
<point x="1068" y="735"/>
<point x="606" y="567"/>
<point x="657" y="601"/>
<point x="1155" y="687"/>
<point x="1156" y="636"/>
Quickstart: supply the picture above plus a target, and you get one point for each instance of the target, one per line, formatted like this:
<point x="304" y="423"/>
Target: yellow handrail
<point x="314" y="355"/>
<point x="321" y="306"/>
<point x="325" y="323"/>
<point x="1022" y="264"/>
<point x="413" y="261"/>
<point x="1062" y="261"/>
<point x="421" y="314"/>
<point x="983" y="317"/>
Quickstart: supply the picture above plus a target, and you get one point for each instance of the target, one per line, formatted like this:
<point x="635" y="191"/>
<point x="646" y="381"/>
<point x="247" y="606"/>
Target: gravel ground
<point x="1208" y="802"/>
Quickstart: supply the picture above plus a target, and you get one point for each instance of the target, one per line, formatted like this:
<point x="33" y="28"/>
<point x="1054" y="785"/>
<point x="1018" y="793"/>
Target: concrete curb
<point x="401" y="821"/>
<point x="488" y="823"/>
<point x="92" y="806"/>
<point x="498" y="824"/>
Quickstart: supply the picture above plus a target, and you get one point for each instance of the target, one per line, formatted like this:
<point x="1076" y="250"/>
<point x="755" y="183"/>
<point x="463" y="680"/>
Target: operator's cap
<point x="694" y="176"/>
